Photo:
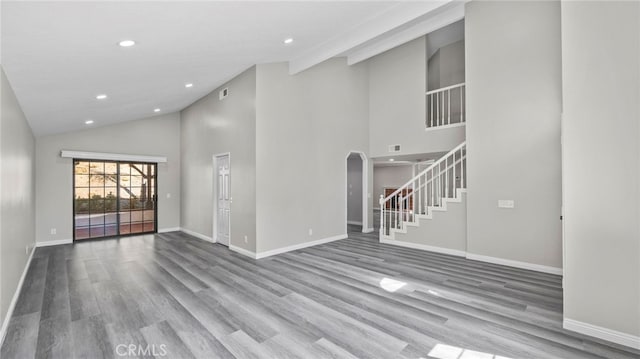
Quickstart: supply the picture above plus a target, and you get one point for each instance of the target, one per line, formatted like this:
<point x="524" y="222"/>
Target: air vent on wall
<point x="394" y="148"/>
<point x="223" y="93"/>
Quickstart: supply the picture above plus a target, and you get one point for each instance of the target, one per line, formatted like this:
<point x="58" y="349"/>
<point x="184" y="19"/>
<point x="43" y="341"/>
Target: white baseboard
<point x="166" y="230"/>
<point x="14" y="300"/>
<point x="243" y="251"/>
<point x="294" y="247"/>
<point x="424" y="247"/>
<point x="367" y="230"/>
<point x="56" y="242"/>
<point x="516" y="264"/>
<point x="197" y="235"/>
<point x="595" y="331"/>
<point x="355" y="223"/>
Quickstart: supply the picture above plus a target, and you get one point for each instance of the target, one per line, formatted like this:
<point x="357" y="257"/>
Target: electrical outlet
<point x="506" y="203"/>
<point x="246" y="239"/>
<point x="310" y="232"/>
<point x="53" y="231"/>
<point x="168" y="195"/>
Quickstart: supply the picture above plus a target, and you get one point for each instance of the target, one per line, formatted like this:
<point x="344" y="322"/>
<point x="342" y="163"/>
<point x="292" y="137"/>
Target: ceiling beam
<point x="396" y="16"/>
<point x="445" y="16"/>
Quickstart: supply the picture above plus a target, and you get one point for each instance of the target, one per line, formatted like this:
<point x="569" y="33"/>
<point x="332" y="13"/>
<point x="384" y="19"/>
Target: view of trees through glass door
<point x="113" y="198"/>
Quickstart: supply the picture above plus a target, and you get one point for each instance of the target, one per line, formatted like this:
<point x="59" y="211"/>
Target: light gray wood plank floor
<point x="174" y="296"/>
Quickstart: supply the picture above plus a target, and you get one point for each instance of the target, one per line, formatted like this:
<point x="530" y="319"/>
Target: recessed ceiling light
<point x="101" y="97"/>
<point x="88" y="122"/>
<point x="188" y="85"/>
<point x="391" y="160"/>
<point x="127" y="43"/>
<point x="288" y="41"/>
<point x="156" y="110"/>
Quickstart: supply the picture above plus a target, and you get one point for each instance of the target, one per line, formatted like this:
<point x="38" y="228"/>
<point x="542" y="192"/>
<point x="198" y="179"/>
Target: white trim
<point x="610" y="335"/>
<point x="166" y="230"/>
<point x="197" y="235"/>
<point x="367" y="230"/>
<point x="214" y="189"/>
<point x="444" y="127"/>
<point x="515" y="264"/>
<point x="365" y="189"/>
<point x="294" y="247"/>
<point x="14" y="300"/>
<point x="355" y="223"/>
<point x="424" y="247"/>
<point x="111" y="156"/>
<point x="243" y="251"/>
<point x="56" y="242"/>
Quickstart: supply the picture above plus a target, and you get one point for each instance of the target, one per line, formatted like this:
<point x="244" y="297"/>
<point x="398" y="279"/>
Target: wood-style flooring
<point x="176" y="296"/>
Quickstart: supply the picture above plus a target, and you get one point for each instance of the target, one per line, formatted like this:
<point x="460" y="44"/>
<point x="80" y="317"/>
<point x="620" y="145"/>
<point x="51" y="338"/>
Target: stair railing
<point x="425" y="191"/>
<point x="446" y="106"/>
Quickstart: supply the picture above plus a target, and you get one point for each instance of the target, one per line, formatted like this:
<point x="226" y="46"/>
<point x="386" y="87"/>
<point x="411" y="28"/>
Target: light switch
<point x="506" y="203"/>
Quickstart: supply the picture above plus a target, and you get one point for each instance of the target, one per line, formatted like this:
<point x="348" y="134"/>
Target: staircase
<point x="428" y="192"/>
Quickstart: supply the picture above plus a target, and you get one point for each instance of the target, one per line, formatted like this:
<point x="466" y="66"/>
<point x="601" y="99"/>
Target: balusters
<point x="382" y="215"/>
<point x="429" y="188"/>
<point x="462" y="165"/>
<point x="461" y="105"/>
<point x="419" y="197"/>
<point x="431" y="98"/>
<point x="439" y="103"/>
<point x="446" y="177"/>
<point x="455" y="181"/>
<point x="448" y="107"/>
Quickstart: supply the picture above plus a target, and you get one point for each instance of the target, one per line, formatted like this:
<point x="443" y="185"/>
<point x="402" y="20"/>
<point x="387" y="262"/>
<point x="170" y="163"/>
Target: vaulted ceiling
<point x="58" y="56"/>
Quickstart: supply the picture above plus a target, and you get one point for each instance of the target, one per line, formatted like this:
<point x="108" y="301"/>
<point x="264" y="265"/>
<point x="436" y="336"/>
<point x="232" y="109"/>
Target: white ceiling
<point x="59" y="55"/>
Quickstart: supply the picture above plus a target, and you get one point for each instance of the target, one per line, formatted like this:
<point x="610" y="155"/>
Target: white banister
<point x="445" y="108"/>
<point x="428" y="189"/>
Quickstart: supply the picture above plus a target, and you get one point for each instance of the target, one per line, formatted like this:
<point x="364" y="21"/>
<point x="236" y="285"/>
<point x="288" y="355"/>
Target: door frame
<point x="117" y="162"/>
<point x="214" y="197"/>
<point x="365" y="190"/>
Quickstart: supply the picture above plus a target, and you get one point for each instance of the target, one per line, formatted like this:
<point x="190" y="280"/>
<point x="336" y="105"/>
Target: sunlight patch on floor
<point x="391" y="285"/>
<point x="442" y="351"/>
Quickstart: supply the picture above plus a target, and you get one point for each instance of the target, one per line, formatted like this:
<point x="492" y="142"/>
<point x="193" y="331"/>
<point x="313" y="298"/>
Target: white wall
<point x="433" y="69"/>
<point x="389" y="177"/>
<point x="354" y="189"/>
<point x="452" y="65"/>
<point x="513" y="75"/>
<point x="212" y="126"/>
<point x="601" y="137"/>
<point x="397" y="104"/>
<point x="17" y="194"/>
<point x="446" y="68"/>
<point x="444" y="36"/>
<point x="306" y="125"/>
<point x="158" y="135"/>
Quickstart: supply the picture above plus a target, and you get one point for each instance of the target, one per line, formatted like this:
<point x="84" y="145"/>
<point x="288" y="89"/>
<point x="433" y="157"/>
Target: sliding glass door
<point x="113" y="198"/>
<point x="137" y="198"/>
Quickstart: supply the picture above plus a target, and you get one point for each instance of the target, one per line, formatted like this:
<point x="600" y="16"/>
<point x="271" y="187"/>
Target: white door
<point x="223" y="210"/>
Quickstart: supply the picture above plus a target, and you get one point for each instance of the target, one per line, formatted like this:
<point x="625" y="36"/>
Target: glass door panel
<point x="113" y="198"/>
